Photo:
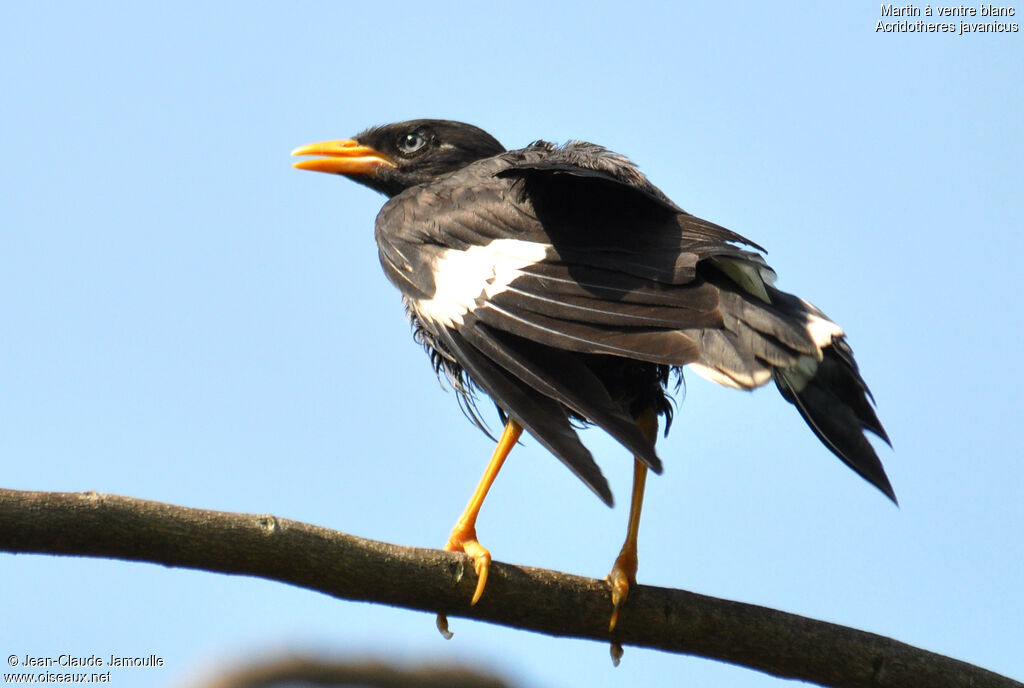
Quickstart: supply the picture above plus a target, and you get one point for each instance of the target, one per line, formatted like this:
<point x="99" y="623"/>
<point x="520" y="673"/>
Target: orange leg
<point x="463" y="535"/>
<point x="623" y="572"/>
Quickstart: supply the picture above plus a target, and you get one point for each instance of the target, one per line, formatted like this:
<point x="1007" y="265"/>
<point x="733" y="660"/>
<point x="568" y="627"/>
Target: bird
<point x="558" y="281"/>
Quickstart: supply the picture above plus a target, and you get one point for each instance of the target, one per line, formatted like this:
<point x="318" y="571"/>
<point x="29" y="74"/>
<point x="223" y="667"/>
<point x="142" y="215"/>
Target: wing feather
<point x="542" y="417"/>
<point x="669" y="347"/>
<point x="565" y="379"/>
<point x="603" y="298"/>
<point x="623" y="272"/>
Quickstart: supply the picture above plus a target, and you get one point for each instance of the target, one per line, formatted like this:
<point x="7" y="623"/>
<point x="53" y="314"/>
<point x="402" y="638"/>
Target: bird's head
<point x="395" y="157"/>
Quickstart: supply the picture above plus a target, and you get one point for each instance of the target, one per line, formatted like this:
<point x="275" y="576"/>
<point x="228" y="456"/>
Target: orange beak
<point x="343" y="157"/>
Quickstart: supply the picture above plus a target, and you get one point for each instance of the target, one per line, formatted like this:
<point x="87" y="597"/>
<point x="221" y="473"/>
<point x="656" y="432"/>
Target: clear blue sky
<point x="185" y="318"/>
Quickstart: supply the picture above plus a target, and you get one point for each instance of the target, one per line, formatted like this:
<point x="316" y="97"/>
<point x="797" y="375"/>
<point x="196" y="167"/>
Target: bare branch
<point x="287" y="671"/>
<point x="348" y="567"/>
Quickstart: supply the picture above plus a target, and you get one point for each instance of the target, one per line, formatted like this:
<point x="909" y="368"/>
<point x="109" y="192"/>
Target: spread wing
<point x="515" y="263"/>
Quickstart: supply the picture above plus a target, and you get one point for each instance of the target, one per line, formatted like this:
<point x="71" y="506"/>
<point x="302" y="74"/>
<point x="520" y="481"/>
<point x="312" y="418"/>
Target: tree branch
<point x="311" y="671"/>
<point x="348" y="567"/>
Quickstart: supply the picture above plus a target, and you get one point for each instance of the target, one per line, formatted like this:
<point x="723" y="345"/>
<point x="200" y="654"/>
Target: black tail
<point x="771" y="335"/>
<point x="837" y="405"/>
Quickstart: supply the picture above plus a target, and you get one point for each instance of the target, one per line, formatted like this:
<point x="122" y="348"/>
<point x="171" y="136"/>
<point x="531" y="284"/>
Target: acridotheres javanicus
<point x="568" y="288"/>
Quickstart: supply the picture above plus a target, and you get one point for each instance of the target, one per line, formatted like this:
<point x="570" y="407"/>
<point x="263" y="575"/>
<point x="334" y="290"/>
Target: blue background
<point x="185" y="318"/>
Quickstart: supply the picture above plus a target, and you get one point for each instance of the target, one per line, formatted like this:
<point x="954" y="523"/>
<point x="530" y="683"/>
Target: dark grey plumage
<point x="566" y="286"/>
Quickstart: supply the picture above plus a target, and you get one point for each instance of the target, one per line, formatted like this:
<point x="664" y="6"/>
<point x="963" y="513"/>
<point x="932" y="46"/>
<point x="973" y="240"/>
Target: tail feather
<point x="838" y="372"/>
<point x="835" y="405"/>
<point x="771" y="335"/>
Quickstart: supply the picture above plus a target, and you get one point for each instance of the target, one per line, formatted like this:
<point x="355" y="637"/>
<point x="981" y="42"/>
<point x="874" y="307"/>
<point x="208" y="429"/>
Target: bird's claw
<point x="467" y="543"/>
<point x="442" y="626"/>
<point x="622" y="575"/>
<point x="481" y="564"/>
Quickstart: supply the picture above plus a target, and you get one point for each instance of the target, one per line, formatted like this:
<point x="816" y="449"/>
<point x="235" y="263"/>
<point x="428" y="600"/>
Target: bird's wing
<point x="540" y="415"/>
<point x="619" y="273"/>
<point x="536" y="255"/>
<point x="509" y="282"/>
<point x="591" y="259"/>
<point x="609" y="225"/>
<point x="566" y="168"/>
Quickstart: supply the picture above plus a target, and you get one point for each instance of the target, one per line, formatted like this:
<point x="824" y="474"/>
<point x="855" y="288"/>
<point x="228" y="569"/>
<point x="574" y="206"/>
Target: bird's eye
<point x="410" y="143"/>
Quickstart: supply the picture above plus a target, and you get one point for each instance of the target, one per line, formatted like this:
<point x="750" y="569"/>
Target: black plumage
<point x="567" y="287"/>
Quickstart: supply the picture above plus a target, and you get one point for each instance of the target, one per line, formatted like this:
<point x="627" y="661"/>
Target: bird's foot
<point x="622" y="575"/>
<point x="463" y="539"/>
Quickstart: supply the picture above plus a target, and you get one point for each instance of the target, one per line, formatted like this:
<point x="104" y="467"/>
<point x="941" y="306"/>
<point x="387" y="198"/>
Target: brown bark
<point x="349" y="567"/>
<point x="307" y="671"/>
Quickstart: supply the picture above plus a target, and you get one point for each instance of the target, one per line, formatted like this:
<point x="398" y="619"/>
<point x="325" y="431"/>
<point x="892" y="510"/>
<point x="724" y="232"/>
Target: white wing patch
<point x="461" y="278"/>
